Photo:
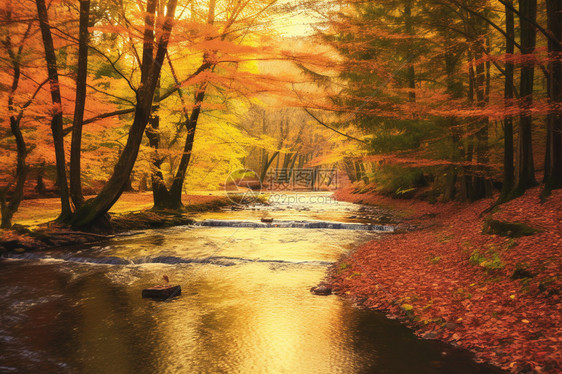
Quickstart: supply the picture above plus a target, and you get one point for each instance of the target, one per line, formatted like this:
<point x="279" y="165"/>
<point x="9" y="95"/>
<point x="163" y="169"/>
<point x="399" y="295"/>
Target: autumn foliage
<point x="183" y="67"/>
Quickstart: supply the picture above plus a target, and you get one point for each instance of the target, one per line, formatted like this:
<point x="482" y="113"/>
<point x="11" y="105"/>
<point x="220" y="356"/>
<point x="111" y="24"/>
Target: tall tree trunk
<point x="160" y="193"/>
<point x="466" y="180"/>
<point x="508" y="167"/>
<point x="82" y="75"/>
<point x="95" y="209"/>
<point x="179" y="179"/>
<point x="454" y="90"/>
<point x="479" y="189"/>
<point x="56" y="121"/>
<point x="411" y="74"/>
<point x="349" y="167"/>
<point x="293" y="162"/>
<point x="553" y="162"/>
<point x="264" y="153"/>
<point x="478" y="29"/>
<point x="11" y="205"/>
<point x="275" y="155"/>
<point x="363" y="173"/>
<point x="526" y="168"/>
<point x="267" y="165"/>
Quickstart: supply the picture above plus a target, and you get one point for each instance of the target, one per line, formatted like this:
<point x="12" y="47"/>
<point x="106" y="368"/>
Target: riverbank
<point x="34" y="228"/>
<point x="497" y="295"/>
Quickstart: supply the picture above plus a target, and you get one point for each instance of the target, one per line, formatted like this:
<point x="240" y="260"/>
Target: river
<point x="245" y="305"/>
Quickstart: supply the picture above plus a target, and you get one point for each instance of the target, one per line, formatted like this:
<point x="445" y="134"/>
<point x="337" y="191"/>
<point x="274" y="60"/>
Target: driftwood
<point x="161" y="292"/>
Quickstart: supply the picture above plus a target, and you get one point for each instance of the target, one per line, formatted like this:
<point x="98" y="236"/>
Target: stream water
<point x="245" y="305"/>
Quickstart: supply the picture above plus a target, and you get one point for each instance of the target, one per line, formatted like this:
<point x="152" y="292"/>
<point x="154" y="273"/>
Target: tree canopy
<point x="449" y="99"/>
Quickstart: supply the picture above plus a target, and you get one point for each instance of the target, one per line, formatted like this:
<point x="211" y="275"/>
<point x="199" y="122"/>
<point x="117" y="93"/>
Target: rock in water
<point x="161" y="292"/>
<point x="321" y="290"/>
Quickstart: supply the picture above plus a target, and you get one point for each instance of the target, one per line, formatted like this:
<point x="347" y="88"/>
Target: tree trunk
<point x="349" y="168"/>
<point x="466" y="179"/>
<point x="8" y="206"/>
<point x="508" y="168"/>
<point x="480" y="188"/>
<point x="454" y="90"/>
<point x="143" y="183"/>
<point x="293" y="162"/>
<point x="179" y="179"/>
<point x="11" y="205"/>
<point x="160" y="194"/>
<point x="95" y="209"/>
<point x="82" y="75"/>
<point x="267" y="165"/>
<point x="363" y="173"/>
<point x="56" y="121"/>
<point x="411" y="74"/>
<point x="129" y="184"/>
<point x="525" y="165"/>
<point x="553" y="164"/>
<point x="40" y="185"/>
<point x="264" y="153"/>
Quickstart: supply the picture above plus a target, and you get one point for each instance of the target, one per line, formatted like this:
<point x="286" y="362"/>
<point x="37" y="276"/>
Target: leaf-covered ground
<point x="33" y="212"/>
<point x="35" y="229"/>
<point x="496" y="296"/>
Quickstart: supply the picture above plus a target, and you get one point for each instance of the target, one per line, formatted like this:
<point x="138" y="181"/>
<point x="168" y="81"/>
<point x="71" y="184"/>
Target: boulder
<point x="321" y="290"/>
<point x="509" y="229"/>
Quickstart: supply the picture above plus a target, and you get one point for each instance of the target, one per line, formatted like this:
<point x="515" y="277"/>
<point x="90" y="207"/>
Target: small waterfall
<point x="296" y="224"/>
<point x="70" y="257"/>
<point x="169" y="260"/>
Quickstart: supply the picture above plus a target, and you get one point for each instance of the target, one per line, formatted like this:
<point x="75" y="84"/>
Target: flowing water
<point x="245" y="305"/>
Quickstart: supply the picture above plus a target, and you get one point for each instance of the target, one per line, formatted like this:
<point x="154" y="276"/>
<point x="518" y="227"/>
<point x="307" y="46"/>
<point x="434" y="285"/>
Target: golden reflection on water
<point x="256" y="320"/>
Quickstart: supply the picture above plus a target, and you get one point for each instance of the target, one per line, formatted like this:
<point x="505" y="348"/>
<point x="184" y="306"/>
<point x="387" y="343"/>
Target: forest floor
<point x="34" y="227"/>
<point x="495" y="295"/>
